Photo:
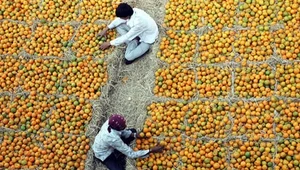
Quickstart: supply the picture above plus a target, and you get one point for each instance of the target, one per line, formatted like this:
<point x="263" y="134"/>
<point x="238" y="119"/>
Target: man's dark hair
<point x="124" y="10"/>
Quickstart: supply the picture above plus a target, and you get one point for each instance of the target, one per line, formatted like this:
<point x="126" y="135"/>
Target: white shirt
<point x="106" y="142"/>
<point x="141" y="25"/>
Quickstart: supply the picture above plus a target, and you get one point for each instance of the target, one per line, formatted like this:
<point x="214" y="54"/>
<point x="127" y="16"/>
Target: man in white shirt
<point x="137" y="29"/>
<point x="111" y="144"/>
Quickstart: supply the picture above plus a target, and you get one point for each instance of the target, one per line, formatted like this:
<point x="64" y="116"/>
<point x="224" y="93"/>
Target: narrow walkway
<point x="131" y="89"/>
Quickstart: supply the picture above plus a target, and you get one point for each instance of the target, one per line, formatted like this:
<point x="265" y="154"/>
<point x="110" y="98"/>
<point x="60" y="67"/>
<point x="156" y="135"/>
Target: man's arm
<point x="116" y="22"/>
<point x="128" y="151"/>
<point x="130" y="35"/>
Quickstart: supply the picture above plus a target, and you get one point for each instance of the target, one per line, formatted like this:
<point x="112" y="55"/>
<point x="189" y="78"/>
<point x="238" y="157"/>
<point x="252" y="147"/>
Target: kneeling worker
<point x="111" y="144"/>
<point x="137" y="29"/>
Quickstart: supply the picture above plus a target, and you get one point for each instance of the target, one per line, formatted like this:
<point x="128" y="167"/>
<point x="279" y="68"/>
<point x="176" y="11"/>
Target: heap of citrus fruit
<point x="87" y="42"/>
<point x="51" y="69"/>
<point x="13" y="37"/>
<point x="229" y="81"/>
<point x="177" y="47"/>
<point x="216" y="47"/>
<point x="242" y="111"/>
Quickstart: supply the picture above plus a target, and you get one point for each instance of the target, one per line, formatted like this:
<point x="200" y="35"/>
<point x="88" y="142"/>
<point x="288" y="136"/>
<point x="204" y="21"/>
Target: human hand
<point x="105" y="45"/>
<point x="140" y="135"/>
<point x="157" y="149"/>
<point x="102" y="33"/>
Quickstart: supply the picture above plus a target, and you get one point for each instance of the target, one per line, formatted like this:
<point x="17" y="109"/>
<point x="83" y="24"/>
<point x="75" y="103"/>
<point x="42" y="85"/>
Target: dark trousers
<point x="117" y="160"/>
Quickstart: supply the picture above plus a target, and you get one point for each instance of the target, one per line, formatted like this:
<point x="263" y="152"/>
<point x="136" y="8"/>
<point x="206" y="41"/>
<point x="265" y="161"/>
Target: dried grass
<point x="129" y="89"/>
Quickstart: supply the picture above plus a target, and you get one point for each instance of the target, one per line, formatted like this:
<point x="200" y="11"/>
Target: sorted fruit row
<point x="51" y="67"/>
<point x="177" y="47"/>
<point x="218" y="14"/>
<point x="223" y="47"/>
<point x="13" y="37"/>
<point x="49" y="40"/>
<point x="34" y="112"/>
<point x="86" y="41"/>
<point x="177" y="81"/>
<point x="52" y="39"/>
<point x="242" y="112"/>
<point x="91" y="11"/>
<point x="249" y="81"/>
<point x="83" y="78"/>
<point x="191" y="15"/>
<point x="45" y="150"/>
<point x="216" y="47"/>
<point x="58" y="10"/>
<point x="216" y="134"/>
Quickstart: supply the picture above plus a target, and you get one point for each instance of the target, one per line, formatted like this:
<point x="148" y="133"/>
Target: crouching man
<point x="137" y="29"/>
<point x="111" y="144"/>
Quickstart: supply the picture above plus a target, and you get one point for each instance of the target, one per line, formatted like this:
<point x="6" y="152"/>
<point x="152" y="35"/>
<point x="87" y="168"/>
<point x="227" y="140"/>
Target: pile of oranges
<point x="288" y="124"/>
<point x="288" y="13"/>
<point x="288" y="154"/>
<point x="84" y="78"/>
<point x="71" y="115"/>
<point x="45" y="150"/>
<point x="254" y="81"/>
<point x="9" y="70"/>
<point x="4" y="100"/>
<point x="288" y="80"/>
<point x="86" y="40"/>
<point x="51" y="70"/>
<point x="19" y="10"/>
<point x="216" y="47"/>
<point x="243" y="111"/>
<point x="287" y="43"/>
<point x="253" y="119"/>
<point x="250" y="154"/>
<point x="182" y="15"/>
<point x="254" y="45"/>
<point x="13" y="37"/>
<point x="27" y="113"/>
<point x="39" y="75"/>
<point x="177" y="81"/>
<point x="177" y="47"/>
<point x="213" y="82"/>
<point x="257" y="13"/>
<point x="19" y="150"/>
<point x="165" y="118"/>
<point x="213" y="121"/>
<point x="230" y="84"/>
<point x="218" y="14"/>
<point x="93" y="10"/>
<point x="59" y="10"/>
<point x="50" y="40"/>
